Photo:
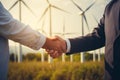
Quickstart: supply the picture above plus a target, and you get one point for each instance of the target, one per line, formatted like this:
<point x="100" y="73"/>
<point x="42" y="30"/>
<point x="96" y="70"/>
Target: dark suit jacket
<point x="106" y="34"/>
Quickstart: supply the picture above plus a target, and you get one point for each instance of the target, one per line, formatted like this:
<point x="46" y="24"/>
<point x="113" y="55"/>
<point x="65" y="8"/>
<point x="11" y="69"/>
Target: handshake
<point x="55" y="46"/>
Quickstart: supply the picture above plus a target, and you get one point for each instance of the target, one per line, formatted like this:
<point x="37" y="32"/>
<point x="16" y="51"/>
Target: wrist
<point x="46" y="43"/>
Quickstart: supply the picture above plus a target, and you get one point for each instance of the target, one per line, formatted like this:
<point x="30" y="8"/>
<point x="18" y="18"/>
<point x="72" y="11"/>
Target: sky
<point x="72" y="20"/>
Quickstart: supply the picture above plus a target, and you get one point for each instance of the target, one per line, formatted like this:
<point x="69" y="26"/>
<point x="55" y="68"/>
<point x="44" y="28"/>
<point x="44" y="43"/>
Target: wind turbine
<point x="82" y="14"/>
<point x="20" y="2"/>
<point x="49" y="8"/>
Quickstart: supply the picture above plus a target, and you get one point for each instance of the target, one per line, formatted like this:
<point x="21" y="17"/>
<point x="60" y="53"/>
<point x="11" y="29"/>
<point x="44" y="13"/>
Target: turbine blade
<point x="59" y="8"/>
<point x="43" y="23"/>
<point x="95" y="19"/>
<point x="28" y="8"/>
<point x="41" y="29"/>
<point x="86" y="21"/>
<point x="58" y="33"/>
<point x="68" y="33"/>
<point x="63" y="25"/>
<point x="90" y="6"/>
<point x="13" y="5"/>
<point x="43" y="14"/>
<point x="77" y="5"/>
<point x="44" y="32"/>
<point x="48" y="2"/>
<point x="72" y="33"/>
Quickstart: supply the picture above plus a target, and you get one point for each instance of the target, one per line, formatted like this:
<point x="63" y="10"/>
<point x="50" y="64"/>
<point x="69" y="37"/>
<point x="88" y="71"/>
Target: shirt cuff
<point x="68" y="45"/>
<point x="42" y="40"/>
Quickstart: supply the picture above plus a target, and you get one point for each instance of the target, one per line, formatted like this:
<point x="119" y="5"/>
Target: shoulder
<point x="114" y="4"/>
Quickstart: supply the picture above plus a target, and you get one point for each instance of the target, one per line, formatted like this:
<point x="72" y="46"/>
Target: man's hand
<point x="55" y="46"/>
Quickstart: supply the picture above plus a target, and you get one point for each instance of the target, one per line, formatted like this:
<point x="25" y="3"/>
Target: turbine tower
<point x="63" y="35"/>
<point x="82" y="14"/>
<point x="20" y="2"/>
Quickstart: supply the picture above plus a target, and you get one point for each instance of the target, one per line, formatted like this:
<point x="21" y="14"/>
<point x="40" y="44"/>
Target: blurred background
<point x="66" y="18"/>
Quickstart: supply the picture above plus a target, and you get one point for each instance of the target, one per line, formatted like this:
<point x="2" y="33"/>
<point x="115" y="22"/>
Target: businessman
<point x="106" y="34"/>
<point x="18" y="32"/>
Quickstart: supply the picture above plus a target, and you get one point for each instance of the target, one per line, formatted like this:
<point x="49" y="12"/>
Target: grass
<point x="56" y="71"/>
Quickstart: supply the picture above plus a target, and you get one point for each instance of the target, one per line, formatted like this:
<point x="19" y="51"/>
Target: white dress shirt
<point x="68" y="45"/>
<point x="19" y="32"/>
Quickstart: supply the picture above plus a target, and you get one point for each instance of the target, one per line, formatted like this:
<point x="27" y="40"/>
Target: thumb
<point x="59" y="38"/>
<point x="54" y="38"/>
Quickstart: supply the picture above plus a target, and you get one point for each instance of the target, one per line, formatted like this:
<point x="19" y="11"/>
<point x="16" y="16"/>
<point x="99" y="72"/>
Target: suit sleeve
<point x="92" y="41"/>
<point x="15" y="30"/>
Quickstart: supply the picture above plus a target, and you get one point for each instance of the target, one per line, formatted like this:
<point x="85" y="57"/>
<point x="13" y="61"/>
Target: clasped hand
<point x="55" y="46"/>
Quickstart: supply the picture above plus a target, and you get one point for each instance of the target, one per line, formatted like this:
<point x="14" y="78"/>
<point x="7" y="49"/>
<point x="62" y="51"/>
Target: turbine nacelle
<point x="81" y="13"/>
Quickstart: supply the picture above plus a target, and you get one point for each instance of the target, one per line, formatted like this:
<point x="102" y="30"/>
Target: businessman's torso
<point x="111" y="28"/>
<point x="112" y="32"/>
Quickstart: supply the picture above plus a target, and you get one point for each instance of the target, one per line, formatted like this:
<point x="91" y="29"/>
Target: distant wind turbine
<point x="83" y="19"/>
<point x="49" y="8"/>
<point x="63" y="35"/>
<point x="20" y="18"/>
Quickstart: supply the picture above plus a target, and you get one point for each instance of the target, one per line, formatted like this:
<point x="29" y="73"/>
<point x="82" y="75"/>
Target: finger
<point x="62" y="42"/>
<point x="63" y="46"/>
<point x="63" y="49"/>
<point x="54" y="38"/>
<point x="47" y="50"/>
<point x="58" y="37"/>
<point x="50" y="51"/>
<point x="55" y="54"/>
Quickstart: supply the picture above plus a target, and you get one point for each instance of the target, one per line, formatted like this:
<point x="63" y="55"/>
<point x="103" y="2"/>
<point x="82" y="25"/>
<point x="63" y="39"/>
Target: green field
<point x="36" y="70"/>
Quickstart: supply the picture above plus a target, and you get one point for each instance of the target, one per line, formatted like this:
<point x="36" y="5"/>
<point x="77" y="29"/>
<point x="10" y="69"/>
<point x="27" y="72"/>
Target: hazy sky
<point x="72" y="21"/>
